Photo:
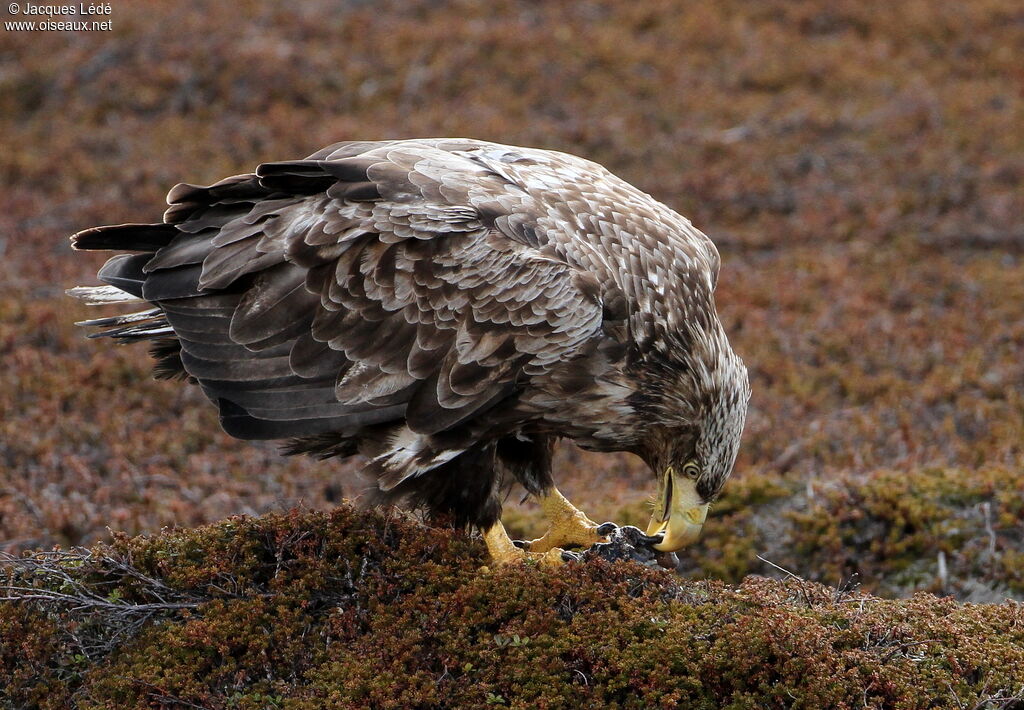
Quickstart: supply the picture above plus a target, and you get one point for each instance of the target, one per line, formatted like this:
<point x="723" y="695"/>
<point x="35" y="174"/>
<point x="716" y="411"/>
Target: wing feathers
<point x="125" y="272"/>
<point x="370" y="282"/>
<point x="128" y="237"/>
<point x="275" y="309"/>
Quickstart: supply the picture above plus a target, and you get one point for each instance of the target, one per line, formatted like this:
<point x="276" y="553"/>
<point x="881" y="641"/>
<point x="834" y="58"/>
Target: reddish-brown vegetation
<point x="365" y="610"/>
<point x="860" y="165"/>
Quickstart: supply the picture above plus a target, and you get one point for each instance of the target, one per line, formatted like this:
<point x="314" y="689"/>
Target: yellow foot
<point x="504" y="552"/>
<point x="569" y="525"/>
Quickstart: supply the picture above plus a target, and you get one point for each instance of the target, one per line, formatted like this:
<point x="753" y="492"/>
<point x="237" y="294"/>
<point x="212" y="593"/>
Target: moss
<point x="859" y="167"/>
<point x="38" y="667"/>
<point x="887" y="528"/>
<point x="364" y="609"/>
<point x="868" y="211"/>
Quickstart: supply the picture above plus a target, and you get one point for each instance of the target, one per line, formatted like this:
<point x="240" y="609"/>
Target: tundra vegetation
<point x="860" y="167"/>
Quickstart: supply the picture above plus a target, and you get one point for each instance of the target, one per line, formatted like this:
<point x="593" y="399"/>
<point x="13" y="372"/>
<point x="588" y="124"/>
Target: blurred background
<point x="859" y="165"/>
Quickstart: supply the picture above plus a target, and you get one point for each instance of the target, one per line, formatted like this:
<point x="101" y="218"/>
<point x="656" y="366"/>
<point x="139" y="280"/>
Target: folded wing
<point x="369" y="283"/>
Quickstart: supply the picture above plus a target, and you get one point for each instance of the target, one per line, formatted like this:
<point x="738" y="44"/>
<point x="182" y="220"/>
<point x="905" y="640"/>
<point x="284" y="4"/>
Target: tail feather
<point x="121" y="319"/>
<point x="125" y="279"/>
<point x="102" y="295"/>
<point x="158" y="328"/>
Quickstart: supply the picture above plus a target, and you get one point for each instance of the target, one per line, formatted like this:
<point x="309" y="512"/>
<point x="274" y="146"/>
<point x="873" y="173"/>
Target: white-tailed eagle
<point x="447" y="308"/>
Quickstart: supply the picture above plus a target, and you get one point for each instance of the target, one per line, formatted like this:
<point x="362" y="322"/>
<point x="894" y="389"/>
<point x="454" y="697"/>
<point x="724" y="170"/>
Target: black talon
<point x="651" y="540"/>
<point x="570" y="556"/>
<point x="521" y="544"/>
<point x="607" y="528"/>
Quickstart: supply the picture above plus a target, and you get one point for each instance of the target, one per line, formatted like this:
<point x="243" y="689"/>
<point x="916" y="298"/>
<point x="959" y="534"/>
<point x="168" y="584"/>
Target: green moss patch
<point x="943" y="530"/>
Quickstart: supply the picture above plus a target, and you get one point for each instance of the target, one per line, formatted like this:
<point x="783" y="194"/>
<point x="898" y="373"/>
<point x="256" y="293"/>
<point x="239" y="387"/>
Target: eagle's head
<point x="697" y="412"/>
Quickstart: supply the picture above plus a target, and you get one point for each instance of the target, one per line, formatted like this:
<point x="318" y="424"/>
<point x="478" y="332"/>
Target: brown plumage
<point x="445" y="307"/>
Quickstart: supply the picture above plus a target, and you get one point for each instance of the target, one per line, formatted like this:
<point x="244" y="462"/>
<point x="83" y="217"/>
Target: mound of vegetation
<point x="366" y="609"/>
<point x="942" y="530"/>
<point x="859" y="165"/>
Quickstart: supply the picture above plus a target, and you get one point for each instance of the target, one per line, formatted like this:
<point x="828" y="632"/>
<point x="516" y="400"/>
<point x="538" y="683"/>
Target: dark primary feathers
<point x="418" y="301"/>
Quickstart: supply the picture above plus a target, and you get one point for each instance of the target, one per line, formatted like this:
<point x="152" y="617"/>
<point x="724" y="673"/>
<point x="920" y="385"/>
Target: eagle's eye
<point x="691" y="469"/>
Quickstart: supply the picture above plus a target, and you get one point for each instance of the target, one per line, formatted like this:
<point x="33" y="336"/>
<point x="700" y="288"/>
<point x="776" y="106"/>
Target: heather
<point x="860" y="167"/>
<point x="363" y="609"/>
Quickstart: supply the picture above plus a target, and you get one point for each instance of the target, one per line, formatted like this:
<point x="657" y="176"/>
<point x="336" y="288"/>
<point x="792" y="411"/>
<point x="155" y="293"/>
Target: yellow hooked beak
<point x="678" y="513"/>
